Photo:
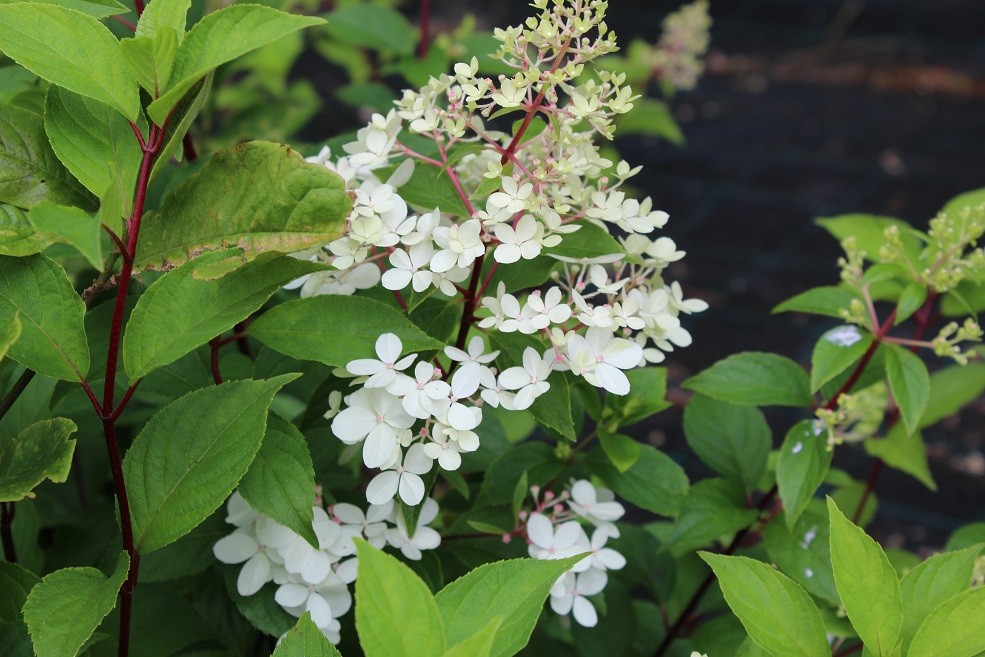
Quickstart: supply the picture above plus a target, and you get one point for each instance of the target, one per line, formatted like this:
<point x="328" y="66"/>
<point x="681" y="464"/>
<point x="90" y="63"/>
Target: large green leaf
<point x="828" y="301"/>
<point x="647" y="397"/>
<point x="778" y="615"/>
<point x="259" y="196"/>
<point x="53" y="340"/>
<point x="804" y="461"/>
<point x="18" y="236"/>
<point x="94" y="142"/>
<point x="479" y="644"/>
<point x="388" y="593"/>
<point x="66" y="607"/>
<point x="305" y="640"/>
<point x="208" y="438"/>
<point x="95" y="8"/>
<point x="221" y="37"/>
<point x="9" y="332"/>
<point x="280" y="483"/>
<point x="163" y="13"/>
<point x="803" y="552"/>
<point x="910" y="383"/>
<point x="754" y="379"/>
<point x="932" y="583"/>
<point x="29" y="170"/>
<point x="951" y="388"/>
<point x="955" y="629"/>
<point x="41" y="451"/>
<point x="868" y="232"/>
<point x="733" y="440"/>
<point x="713" y="509"/>
<point x="867" y="583"/>
<point x="70" y="49"/>
<point x="335" y="329"/>
<point x="655" y="482"/>
<point x="16" y="583"/>
<point x="903" y="451"/>
<point x="514" y="590"/>
<point x="375" y="27"/>
<point x="835" y="352"/>
<point x="161" y="330"/>
<point x="70" y="225"/>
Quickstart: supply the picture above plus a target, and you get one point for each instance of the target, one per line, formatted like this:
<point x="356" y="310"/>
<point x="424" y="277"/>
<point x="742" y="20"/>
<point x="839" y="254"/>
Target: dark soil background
<point x="809" y="108"/>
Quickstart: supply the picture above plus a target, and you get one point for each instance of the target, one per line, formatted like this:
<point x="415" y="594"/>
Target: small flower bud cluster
<point x="858" y="416"/>
<point x="554" y="531"/>
<point x="948" y="342"/>
<point x="677" y="57"/>
<point x="316" y="580"/>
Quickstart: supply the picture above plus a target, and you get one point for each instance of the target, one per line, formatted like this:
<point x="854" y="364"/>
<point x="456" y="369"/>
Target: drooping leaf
<point x="733" y="440"/>
<point x="209" y="437"/>
<point x="335" y="329"/>
<point x="828" y="301"/>
<point x="281" y="480"/>
<point x="69" y="49"/>
<point x="868" y="585"/>
<point x="221" y="37"/>
<point x="387" y="594"/>
<point x="910" y="383"/>
<point x="259" y="196"/>
<point x="804" y="461"/>
<point x="514" y="590"/>
<point x="951" y="388"/>
<point x="53" y="340"/>
<point x="41" y="451"/>
<point x="29" y="170"/>
<point x="18" y="237"/>
<point x="161" y="330"/>
<point x="932" y="583"/>
<point x="655" y="482"/>
<point x="903" y="451"/>
<point x="777" y="614"/>
<point x="70" y="225"/>
<point x="836" y="351"/>
<point x="182" y="117"/>
<point x="16" y="583"/>
<point x="94" y="142"/>
<point x="305" y="640"/>
<point x="66" y="607"/>
<point x="955" y="629"/>
<point x="754" y="379"/>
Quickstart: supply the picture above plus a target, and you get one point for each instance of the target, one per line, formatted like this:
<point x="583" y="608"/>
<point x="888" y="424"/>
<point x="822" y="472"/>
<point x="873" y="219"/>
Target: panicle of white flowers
<point x="555" y="529"/>
<point x="678" y="57"/>
<point x="311" y="579"/>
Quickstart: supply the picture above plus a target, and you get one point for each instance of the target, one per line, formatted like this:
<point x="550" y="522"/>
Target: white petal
<point x="623" y="353"/>
<point x="235" y="548"/>
<point x="255" y="573"/>
<point x="567" y="534"/>
<point x="379" y="446"/>
<point x="396" y="279"/>
<point x="351" y="425"/>
<point x="350" y="514"/>
<point x="383" y="487"/>
<point x="584" y="613"/>
<point x="611" y="559"/>
<point x="291" y="595"/>
<point x="514" y="378"/>
<point x="411" y="489"/>
<point x="388" y="347"/>
<point x="612" y="379"/>
<point x="540" y="531"/>
<point x="321" y="613"/>
<point x="449" y="459"/>
<point x="592" y="581"/>
<point x="416" y="460"/>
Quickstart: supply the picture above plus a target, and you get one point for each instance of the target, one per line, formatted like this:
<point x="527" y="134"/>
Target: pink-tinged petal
<point x="584" y="613"/>
<point x="353" y="424"/>
<point x="388" y="347"/>
<point x="383" y="487"/>
<point x="411" y="489"/>
<point x="416" y="460"/>
<point x="291" y="595"/>
<point x="612" y="379"/>
<point x="235" y="548"/>
<point x="540" y="531"/>
<point x="255" y="573"/>
<point x="567" y="534"/>
<point x="623" y="354"/>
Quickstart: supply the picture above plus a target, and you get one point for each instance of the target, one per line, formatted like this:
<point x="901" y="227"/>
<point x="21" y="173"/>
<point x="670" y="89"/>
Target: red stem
<point x="425" y="43"/>
<point x="214" y="345"/>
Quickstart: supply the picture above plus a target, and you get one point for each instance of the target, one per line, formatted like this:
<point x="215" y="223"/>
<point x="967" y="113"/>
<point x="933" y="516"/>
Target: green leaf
<point x="655" y="482"/>
<point x="94" y="142"/>
<point x="754" y="379"/>
<point x="208" y="438"/>
<point x="955" y="629"/>
<point x="829" y="301"/>
<point x="479" y="644"/>
<point x="652" y="118"/>
<point x="911" y="299"/>
<point x="64" y="609"/>
<point x="94" y="8"/>
<point x="9" y="332"/>
<point x="221" y="37"/>
<point x="335" y="329"/>
<point x="259" y="196"/>
<point x="388" y="593"/>
<point x="15" y="582"/>
<point x="803" y="552"/>
<point x="29" y="170"/>
<point x="622" y="450"/>
<point x="375" y="27"/>
<point x="160" y="14"/>
<point x="53" y="339"/>
<point x="733" y="440"/>
<point x="429" y="188"/>
<point x="868" y="231"/>
<point x="68" y="224"/>
<point x="713" y="508"/>
<point x="305" y="640"/>
<point x="151" y="59"/>
<point x="70" y="49"/>
<point x="513" y="590"/>
<point x="951" y="388"/>
<point x="41" y="451"/>
<point x="161" y="331"/>
<point x="932" y="583"/>
<point x="590" y="241"/>
<point x="868" y="585"/>
<point x="910" y="383"/>
<point x="903" y="451"/>
<point x="778" y="615"/>
<point x="804" y="461"/>
<point x="836" y="351"/>
<point x="18" y="236"/>
<point x="280" y="483"/>
<point x="182" y="116"/>
<point x="647" y="396"/>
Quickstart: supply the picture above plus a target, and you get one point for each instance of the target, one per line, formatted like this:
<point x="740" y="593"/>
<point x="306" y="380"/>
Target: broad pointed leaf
<point x="910" y="383"/>
<point x="305" y="640"/>
<point x="804" y="461"/>
<point x="754" y="379"/>
<point x="955" y="629"/>
<point x="70" y="225"/>
<point x="932" y="583"/>
<point x="733" y="440"/>
<point x="18" y="237"/>
<point x="41" y="451"/>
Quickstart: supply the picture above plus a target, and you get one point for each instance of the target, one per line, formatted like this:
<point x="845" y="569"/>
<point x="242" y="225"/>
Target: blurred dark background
<point x="808" y="108"/>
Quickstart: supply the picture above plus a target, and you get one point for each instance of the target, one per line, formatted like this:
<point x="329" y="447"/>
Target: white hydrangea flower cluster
<point x="553" y="531"/>
<point x="317" y="580"/>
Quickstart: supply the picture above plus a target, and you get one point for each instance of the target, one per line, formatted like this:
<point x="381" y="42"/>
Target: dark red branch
<point x="214" y="345"/>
